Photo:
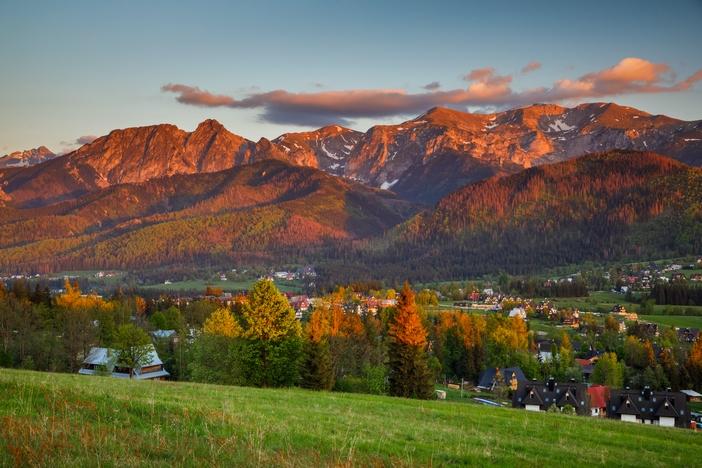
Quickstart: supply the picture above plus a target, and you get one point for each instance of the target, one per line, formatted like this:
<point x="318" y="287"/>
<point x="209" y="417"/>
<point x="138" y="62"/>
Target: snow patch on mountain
<point x="560" y="126"/>
<point x="387" y="185"/>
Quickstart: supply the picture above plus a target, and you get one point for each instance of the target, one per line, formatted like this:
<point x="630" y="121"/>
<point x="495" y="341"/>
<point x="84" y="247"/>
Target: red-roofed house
<point x="599" y="395"/>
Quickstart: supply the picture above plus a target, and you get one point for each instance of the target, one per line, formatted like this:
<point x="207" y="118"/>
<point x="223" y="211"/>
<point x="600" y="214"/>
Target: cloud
<point x="196" y="97"/>
<point x="80" y="141"/>
<point x="530" y="67"/>
<point x="486" y="88"/>
<point x="85" y="139"/>
<point x="433" y="86"/>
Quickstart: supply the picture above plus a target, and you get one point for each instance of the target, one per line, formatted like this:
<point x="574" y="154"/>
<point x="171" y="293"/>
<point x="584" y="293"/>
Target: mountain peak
<point x="26" y="158"/>
<point x="210" y="124"/>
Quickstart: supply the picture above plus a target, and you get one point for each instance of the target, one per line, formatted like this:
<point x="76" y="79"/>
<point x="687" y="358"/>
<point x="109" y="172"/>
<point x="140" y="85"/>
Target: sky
<point x="73" y="70"/>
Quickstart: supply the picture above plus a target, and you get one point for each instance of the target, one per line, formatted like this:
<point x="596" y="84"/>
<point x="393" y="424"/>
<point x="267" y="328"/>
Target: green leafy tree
<point x="609" y="371"/>
<point x="133" y="347"/>
<point x="272" y="348"/>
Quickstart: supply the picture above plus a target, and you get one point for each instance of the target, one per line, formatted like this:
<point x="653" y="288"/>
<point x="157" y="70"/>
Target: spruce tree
<point x="409" y="374"/>
<point x="317" y="372"/>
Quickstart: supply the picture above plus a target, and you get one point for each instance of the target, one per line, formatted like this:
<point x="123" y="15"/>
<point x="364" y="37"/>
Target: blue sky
<point x="71" y="69"/>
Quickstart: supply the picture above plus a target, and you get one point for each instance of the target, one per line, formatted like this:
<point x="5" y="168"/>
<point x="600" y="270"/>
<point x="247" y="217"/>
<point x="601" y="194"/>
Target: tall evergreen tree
<point x="317" y="372"/>
<point x="410" y="375"/>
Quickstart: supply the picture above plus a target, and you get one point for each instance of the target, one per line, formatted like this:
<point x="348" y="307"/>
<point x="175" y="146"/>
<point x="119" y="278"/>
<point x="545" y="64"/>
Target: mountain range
<point x="26" y="158"/>
<point x="158" y="195"/>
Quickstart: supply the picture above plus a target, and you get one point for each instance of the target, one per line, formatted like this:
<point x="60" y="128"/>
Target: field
<point x="603" y="301"/>
<point x="71" y="420"/>
<point x="674" y="320"/>
<point x="227" y="286"/>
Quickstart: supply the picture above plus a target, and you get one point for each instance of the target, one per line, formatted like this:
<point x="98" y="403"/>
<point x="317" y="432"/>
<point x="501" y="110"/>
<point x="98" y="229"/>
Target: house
<point x="540" y="396"/>
<point x="621" y="312"/>
<point x="165" y="335"/>
<point x="511" y="376"/>
<point x="599" y="395"/>
<point x="646" y="406"/>
<point x="688" y="335"/>
<point x="106" y="360"/>
<point x="587" y="366"/>
<point x="544" y="350"/>
<point x="518" y="312"/>
<point x="691" y="395"/>
<point x="300" y="304"/>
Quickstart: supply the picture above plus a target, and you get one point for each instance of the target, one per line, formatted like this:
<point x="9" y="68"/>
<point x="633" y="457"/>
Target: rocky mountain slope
<point x="421" y="160"/>
<point x="465" y="147"/>
<point x="26" y="158"/>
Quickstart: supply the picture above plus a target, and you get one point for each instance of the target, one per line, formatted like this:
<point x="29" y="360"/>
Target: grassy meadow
<point x="71" y="420"/>
<point x="199" y="285"/>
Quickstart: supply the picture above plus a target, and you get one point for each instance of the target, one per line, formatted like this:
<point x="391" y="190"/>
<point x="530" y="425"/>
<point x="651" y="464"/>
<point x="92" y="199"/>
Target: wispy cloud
<point x="486" y="88"/>
<point x="530" y="67"/>
<point x="433" y="86"/>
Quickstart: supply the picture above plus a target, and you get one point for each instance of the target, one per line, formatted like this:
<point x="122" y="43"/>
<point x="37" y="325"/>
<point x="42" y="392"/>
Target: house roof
<point x="533" y="398"/>
<point x="691" y="393"/>
<point x="628" y="406"/>
<point x="568" y="398"/>
<point x="101" y="357"/>
<point x="599" y="394"/>
<point x="667" y="409"/>
<point x="487" y="378"/>
<point x="163" y="333"/>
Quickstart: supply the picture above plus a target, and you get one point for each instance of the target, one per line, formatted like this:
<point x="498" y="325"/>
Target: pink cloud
<point x="486" y="88"/>
<point x="530" y="67"/>
<point x="196" y="97"/>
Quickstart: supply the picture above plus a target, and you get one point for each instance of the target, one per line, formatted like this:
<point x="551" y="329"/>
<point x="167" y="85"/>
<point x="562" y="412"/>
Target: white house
<point x="105" y="360"/>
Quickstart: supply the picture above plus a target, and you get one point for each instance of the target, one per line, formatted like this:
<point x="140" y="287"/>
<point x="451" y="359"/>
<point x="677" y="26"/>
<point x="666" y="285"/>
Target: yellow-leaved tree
<point x="271" y="351"/>
<point x="222" y="323"/>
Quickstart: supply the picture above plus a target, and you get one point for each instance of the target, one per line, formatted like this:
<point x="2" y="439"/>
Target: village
<point x="588" y="353"/>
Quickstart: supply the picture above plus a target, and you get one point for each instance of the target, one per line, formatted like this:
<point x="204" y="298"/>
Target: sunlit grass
<point x="70" y="420"/>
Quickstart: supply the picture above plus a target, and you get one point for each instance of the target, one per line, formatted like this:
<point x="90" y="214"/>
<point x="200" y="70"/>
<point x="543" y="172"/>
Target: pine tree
<point x="410" y="375"/>
<point x="317" y="372"/>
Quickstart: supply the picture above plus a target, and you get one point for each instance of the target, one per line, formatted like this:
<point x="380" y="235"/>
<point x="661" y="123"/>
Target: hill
<point x="255" y="211"/>
<point x="75" y="420"/>
<point x="607" y="206"/>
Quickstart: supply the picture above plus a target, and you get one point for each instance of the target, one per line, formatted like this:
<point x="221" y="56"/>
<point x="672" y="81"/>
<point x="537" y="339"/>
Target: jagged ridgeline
<point x="445" y="194"/>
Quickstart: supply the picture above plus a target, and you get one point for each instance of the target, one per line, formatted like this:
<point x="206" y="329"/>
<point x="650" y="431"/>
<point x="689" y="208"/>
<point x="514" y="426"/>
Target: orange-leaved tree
<point x="409" y="375"/>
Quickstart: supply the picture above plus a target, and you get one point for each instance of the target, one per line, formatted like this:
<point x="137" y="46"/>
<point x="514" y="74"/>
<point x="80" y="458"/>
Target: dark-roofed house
<point x="540" y="396"/>
<point x="648" y="407"/>
<point x="688" y="335"/>
<point x="106" y="361"/>
<point x="512" y="377"/>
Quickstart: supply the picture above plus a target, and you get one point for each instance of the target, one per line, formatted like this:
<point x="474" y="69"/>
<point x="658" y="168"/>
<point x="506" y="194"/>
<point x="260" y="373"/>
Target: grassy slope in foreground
<point x="75" y="420"/>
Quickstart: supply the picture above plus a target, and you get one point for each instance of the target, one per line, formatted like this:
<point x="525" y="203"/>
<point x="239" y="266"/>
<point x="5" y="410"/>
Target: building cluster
<point x="643" y="278"/>
<point x="644" y="406"/>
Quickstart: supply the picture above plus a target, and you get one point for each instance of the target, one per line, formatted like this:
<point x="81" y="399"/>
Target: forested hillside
<point x="607" y="206"/>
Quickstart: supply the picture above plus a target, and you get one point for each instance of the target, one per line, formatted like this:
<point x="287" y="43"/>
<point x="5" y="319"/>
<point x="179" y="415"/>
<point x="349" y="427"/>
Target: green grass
<point x="227" y="286"/>
<point x="71" y="420"/>
<point x="603" y="301"/>
<point x="674" y="320"/>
